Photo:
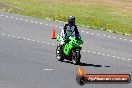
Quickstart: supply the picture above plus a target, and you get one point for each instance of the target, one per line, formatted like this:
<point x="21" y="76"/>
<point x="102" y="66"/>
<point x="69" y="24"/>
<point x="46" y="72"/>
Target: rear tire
<point x="59" y="53"/>
<point x="76" y="57"/>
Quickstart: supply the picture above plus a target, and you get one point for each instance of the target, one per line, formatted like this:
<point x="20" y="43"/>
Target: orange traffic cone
<point x="81" y="71"/>
<point x="53" y="36"/>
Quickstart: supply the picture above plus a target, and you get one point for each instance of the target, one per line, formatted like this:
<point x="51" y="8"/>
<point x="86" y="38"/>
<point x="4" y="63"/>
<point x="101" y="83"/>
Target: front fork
<point x="75" y="53"/>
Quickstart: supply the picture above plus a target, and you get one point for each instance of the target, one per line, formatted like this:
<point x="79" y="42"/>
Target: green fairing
<point x="58" y="38"/>
<point x="67" y="49"/>
<point x="72" y="44"/>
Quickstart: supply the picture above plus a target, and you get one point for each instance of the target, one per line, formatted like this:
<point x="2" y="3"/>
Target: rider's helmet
<point x="71" y="20"/>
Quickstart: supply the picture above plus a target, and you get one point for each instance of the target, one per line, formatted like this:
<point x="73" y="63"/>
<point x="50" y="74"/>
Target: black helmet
<point x="71" y="20"/>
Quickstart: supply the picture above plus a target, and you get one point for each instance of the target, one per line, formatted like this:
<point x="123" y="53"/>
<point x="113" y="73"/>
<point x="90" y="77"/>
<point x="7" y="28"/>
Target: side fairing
<point x="67" y="49"/>
<point x="58" y="38"/>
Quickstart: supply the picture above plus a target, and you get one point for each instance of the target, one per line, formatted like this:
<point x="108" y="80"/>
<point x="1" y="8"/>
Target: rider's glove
<point x="77" y="36"/>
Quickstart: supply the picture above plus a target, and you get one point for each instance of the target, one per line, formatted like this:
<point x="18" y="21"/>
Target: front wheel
<point x="59" y="53"/>
<point x="76" y="57"/>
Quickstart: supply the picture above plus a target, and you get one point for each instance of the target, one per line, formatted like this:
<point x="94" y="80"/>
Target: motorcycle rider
<point x="68" y="30"/>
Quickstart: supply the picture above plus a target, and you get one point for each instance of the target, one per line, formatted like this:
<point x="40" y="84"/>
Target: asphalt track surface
<point x="27" y="55"/>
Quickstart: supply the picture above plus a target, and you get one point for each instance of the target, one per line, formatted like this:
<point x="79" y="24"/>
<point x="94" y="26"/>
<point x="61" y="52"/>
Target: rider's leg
<point x="62" y="42"/>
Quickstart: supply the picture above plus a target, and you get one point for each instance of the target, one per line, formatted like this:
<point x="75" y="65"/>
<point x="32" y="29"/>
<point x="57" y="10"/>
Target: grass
<point x="114" y="15"/>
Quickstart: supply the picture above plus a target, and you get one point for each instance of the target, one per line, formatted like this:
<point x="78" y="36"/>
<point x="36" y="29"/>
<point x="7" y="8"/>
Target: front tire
<point x="59" y="53"/>
<point x="76" y="57"/>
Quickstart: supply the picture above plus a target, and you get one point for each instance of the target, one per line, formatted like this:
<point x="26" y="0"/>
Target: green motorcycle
<point x="70" y="51"/>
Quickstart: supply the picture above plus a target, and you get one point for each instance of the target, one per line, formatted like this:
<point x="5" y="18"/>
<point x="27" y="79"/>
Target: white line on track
<point x="113" y="56"/>
<point x="43" y="42"/>
<point x="3" y="34"/>
<point x="18" y="37"/>
<point x="114" y="37"/>
<point x="124" y="39"/>
<point x="12" y="17"/>
<point x="94" y="52"/>
<point x="120" y="38"/>
<point x="123" y="58"/>
<point x="56" y="26"/>
<point x="103" y="54"/>
<point x="26" y="20"/>
<point x="47" y="24"/>
<point x="117" y="57"/>
<point x="31" y="21"/>
<point x="88" y="51"/>
<point x="82" y="31"/>
<point x="48" y="43"/>
<point x="87" y="32"/>
<point x="83" y="50"/>
<point x="23" y="38"/>
<point x="20" y="19"/>
<point x="99" y="53"/>
<point x="108" y="36"/>
<point x="33" y="40"/>
<point x="28" y="39"/>
<point x="37" y="41"/>
<point x="51" y="25"/>
<point x="128" y="59"/>
<point x="52" y="44"/>
<point x="108" y="55"/>
<point x="92" y="33"/>
<point x="36" y="22"/>
<point x="48" y="69"/>
<point x="13" y="36"/>
<point x="8" y="35"/>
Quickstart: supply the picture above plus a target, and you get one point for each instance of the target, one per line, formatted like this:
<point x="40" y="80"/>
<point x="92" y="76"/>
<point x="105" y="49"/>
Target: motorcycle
<point x="70" y="50"/>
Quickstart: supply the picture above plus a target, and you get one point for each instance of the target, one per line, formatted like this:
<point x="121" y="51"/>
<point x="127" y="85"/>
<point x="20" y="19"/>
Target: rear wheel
<point x="59" y="53"/>
<point x="76" y="57"/>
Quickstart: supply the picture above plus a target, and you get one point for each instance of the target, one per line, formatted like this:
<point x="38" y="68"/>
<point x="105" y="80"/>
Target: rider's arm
<point x="63" y="31"/>
<point x="76" y="32"/>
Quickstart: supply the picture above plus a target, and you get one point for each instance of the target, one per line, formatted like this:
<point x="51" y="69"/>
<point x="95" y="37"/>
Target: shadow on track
<point x="85" y="64"/>
<point x="92" y="65"/>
